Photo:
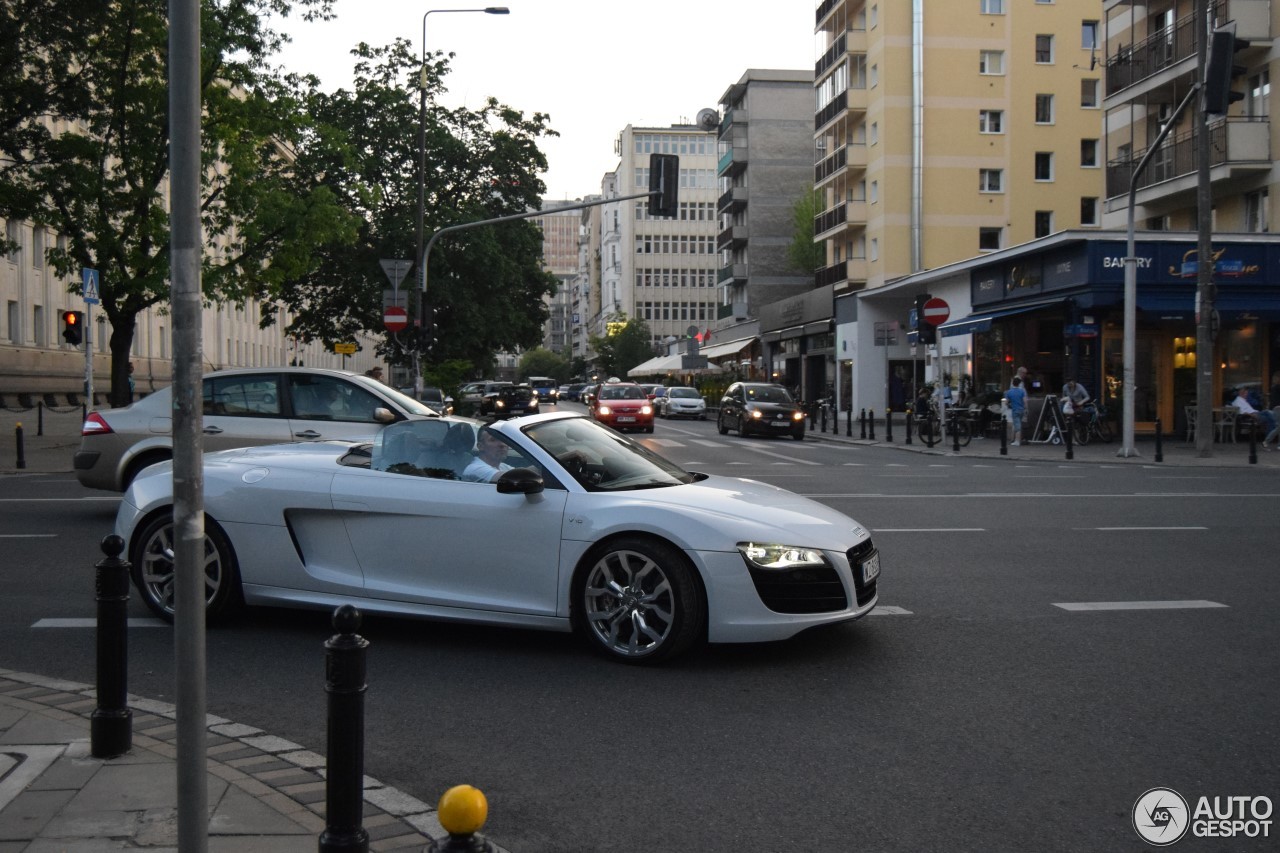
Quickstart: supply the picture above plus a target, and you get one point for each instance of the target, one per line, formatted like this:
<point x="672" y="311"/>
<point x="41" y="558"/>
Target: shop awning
<point x="660" y="364"/>
<point x="730" y="348"/>
<point x="980" y="321"/>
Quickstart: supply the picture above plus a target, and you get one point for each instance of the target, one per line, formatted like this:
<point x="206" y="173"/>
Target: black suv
<point x="508" y="401"/>
<point x="760" y="407"/>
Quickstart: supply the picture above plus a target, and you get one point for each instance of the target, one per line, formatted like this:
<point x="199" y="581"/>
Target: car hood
<point x="750" y="510"/>
<point x="771" y="408"/>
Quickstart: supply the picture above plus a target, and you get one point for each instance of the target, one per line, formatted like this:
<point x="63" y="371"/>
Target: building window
<point x="991" y="62"/>
<point x="990" y="121"/>
<point x="1044" y="165"/>
<point x="37" y="246"/>
<point x="1089" y="93"/>
<point x="875" y="191"/>
<point x="1256" y="217"/>
<point x="874" y="77"/>
<point x="1044" y="49"/>
<point x="992" y="7"/>
<point x="1088" y="211"/>
<point x="1044" y="223"/>
<point x="14" y="320"/>
<point x="875" y="132"/>
<point x="37" y="325"/>
<point x="875" y="248"/>
<point x="989" y="239"/>
<point x="1259" y="104"/>
<point x="1089" y="153"/>
<point x="1044" y="109"/>
<point x="1088" y="34"/>
<point x="990" y="180"/>
<point x="13" y="232"/>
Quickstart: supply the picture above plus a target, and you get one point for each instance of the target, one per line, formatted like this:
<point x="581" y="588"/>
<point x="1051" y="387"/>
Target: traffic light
<point x="73" y="327"/>
<point x="1220" y="70"/>
<point x="926" y="333"/>
<point x="664" y="185"/>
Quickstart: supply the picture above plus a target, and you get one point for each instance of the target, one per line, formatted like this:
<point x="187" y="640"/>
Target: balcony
<point x="837" y="217"/>
<point x="731" y="237"/>
<point x="1237" y="147"/>
<point x="732" y="162"/>
<point x="739" y="117"/>
<point x="831" y="111"/>
<point x="827" y="7"/>
<point x="853" y="154"/>
<point x="734" y="310"/>
<point x="832" y="275"/>
<point x="732" y="274"/>
<point x="734" y="200"/>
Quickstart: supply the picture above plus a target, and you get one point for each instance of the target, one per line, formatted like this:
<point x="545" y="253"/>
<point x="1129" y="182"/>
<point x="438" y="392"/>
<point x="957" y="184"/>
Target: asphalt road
<point x="980" y="711"/>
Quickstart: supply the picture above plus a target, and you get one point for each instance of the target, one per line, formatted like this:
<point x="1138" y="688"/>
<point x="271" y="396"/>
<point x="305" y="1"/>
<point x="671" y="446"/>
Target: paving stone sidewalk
<point x="264" y="793"/>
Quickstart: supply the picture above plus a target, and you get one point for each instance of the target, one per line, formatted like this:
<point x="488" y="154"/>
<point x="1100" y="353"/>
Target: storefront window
<point x="1241" y="358"/>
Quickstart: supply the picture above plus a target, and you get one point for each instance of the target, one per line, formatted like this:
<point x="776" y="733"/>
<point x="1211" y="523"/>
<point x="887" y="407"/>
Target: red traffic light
<point x="72" y="327"/>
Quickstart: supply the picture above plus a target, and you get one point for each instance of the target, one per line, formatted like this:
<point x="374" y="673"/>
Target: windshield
<point x="625" y="392"/>
<point x="603" y="460"/>
<point x="684" y="393"/>
<point x="767" y="394"/>
<point x="405" y="402"/>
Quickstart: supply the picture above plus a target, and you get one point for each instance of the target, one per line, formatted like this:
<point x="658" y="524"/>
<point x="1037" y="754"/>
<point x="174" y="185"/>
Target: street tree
<point x="805" y="255"/>
<point x="84" y="151"/>
<point x="544" y="362"/>
<point x="486" y="285"/>
<point x="627" y="344"/>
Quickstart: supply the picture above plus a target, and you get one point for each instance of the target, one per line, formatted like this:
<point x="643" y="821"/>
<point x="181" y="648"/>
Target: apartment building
<point x="944" y="130"/>
<point x="1150" y="55"/>
<point x="560" y="258"/>
<point x="661" y="270"/>
<point x="765" y="167"/>
<point x="35" y="359"/>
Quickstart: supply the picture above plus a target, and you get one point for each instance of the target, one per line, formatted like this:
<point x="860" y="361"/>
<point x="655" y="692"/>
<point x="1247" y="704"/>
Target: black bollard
<point x="848" y="422"/>
<point x="111" y="723"/>
<point x="824" y="418"/>
<point x="17" y="439"/>
<point x="1159" y="442"/>
<point x="1253" y="442"/>
<point x="344" y="665"/>
<point x="908" y="438"/>
<point x="888" y="425"/>
<point x="1066" y="437"/>
<point x="862" y="422"/>
<point x="40" y="417"/>
<point x="871" y="424"/>
<point x="955" y="435"/>
<point x="1004" y="436"/>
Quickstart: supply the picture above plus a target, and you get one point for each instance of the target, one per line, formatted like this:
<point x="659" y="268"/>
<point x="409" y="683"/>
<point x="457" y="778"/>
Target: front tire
<point x="152" y="570"/>
<point x="720" y="427"/>
<point x="638" y="601"/>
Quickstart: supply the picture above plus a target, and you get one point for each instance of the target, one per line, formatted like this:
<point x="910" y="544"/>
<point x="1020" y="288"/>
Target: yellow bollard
<point x="462" y="810"/>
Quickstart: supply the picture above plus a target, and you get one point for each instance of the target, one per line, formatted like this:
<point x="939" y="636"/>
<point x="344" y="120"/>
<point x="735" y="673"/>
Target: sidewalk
<point x="265" y="794"/>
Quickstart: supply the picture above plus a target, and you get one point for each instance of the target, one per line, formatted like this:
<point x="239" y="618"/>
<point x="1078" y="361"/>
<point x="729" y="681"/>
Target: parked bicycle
<point x="1091" y="423"/>
<point x="957" y="428"/>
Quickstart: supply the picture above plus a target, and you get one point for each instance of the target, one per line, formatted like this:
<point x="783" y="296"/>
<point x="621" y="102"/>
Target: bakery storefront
<point x="1059" y="311"/>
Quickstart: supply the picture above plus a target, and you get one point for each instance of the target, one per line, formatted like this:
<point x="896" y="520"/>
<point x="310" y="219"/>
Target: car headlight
<point x="755" y="413"/>
<point x="500" y="404"/>
<point x="763" y="555"/>
<point x="646" y="410"/>
<point x="602" y="410"/>
<point x="797" y="416"/>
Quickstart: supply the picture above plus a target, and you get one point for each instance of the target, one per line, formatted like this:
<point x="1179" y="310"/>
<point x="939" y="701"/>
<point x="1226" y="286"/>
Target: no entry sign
<point x="395" y="318"/>
<point x="936" y="311"/>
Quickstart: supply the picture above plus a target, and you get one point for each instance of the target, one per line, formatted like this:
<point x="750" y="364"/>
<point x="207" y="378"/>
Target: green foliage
<point x="624" y="349"/>
<point x="98" y="172"/>
<point x="805" y="255"/>
<point x="448" y="375"/>
<point x="544" y="362"/>
<point x="486" y="285"/>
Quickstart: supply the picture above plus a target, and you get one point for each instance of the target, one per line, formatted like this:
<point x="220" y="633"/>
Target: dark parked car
<point x="507" y="401"/>
<point x="760" y="407"/>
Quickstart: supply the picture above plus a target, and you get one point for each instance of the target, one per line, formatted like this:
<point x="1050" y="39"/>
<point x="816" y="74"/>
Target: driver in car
<point x="488" y="466"/>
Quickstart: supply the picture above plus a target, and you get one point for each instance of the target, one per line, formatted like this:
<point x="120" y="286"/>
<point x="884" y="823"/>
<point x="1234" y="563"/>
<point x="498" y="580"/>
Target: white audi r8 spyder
<point x="577" y="528"/>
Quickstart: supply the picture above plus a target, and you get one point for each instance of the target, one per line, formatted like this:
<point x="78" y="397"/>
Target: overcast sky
<point x="594" y="66"/>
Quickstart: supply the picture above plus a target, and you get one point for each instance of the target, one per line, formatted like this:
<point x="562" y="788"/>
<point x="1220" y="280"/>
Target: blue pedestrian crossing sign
<point x="90" y="289"/>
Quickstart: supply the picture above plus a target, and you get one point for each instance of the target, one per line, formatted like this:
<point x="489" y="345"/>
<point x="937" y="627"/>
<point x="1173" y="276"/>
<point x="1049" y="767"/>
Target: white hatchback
<point x="682" y="402"/>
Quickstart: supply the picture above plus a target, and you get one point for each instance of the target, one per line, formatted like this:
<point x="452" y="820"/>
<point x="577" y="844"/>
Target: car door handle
<point x="212" y="430"/>
<point x="308" y="434"/>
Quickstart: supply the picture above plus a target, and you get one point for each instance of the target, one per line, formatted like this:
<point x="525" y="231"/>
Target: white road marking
<point x="706" y="442"/>
<point x="28" y="536"/>
<point x="1136" y="605"/>
<point x="665" y="442"/>
<point x="55" y="500"/>
<point x="1115" y="529"/>
<point x="929" y="530"/>
<point x="888" y="610"/>
<point x="764" y="452"/>
<point x="144" y="622"/>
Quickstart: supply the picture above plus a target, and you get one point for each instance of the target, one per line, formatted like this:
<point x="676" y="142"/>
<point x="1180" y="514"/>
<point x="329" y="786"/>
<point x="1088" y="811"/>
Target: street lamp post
<point x="419" y="310"/>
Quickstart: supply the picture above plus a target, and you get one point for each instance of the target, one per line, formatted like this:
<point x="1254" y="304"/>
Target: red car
<point x="623" y="407"/>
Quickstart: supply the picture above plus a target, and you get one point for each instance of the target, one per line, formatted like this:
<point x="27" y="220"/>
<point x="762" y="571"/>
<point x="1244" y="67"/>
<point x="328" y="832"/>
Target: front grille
<point x="863" y="592"/>
<point x="803" y="590"/>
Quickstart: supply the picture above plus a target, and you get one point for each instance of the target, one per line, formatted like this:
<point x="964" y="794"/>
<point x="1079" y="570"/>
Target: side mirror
<point x="520" y="481"/>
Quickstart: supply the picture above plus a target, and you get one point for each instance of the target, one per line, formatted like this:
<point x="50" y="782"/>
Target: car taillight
<point x="94" y="425"/>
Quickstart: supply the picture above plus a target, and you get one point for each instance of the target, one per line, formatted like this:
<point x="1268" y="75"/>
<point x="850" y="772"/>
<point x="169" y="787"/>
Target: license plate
<point x="871" y="568"/>
<point x="625" y="420"/>
<point x="781" y="424"/>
